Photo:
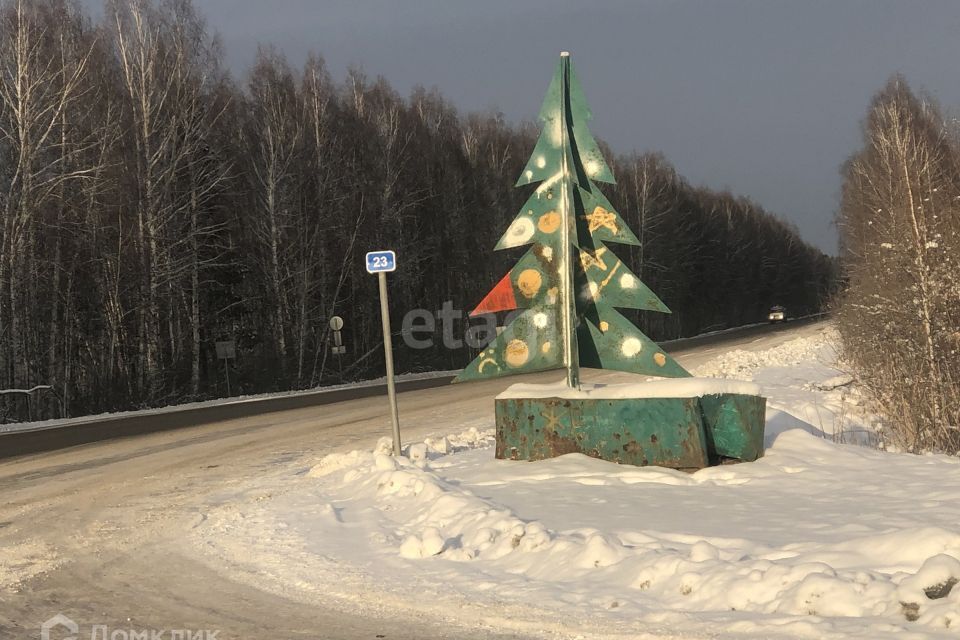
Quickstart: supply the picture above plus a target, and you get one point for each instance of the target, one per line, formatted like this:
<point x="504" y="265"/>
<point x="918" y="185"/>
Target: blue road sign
<point x="378" y="261"/>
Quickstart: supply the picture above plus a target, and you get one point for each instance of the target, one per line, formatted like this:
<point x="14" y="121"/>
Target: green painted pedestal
<point x="682" y="433"/>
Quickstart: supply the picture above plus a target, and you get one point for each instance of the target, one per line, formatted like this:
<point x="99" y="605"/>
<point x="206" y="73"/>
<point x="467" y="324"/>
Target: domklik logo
<point x="59" y="620"/>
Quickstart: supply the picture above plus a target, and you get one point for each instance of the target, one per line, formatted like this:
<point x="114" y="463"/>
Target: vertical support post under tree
<point x="388" y="355"/>
<point x="570" y="354"/>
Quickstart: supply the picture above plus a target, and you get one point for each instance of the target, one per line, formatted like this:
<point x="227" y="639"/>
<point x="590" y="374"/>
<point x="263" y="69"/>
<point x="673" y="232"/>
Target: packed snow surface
<point x="820" y="538"/>
<point x="21" y="561"/>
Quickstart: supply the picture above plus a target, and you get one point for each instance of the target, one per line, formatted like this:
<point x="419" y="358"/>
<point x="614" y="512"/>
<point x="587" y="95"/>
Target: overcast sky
<point x="763" y="97"/>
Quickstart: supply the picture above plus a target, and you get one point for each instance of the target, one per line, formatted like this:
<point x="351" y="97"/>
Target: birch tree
<point x="900" y="204"/>
<point x="42" y="71"/>
<point x="165" y="72"/>
<point x="272" y="140"/>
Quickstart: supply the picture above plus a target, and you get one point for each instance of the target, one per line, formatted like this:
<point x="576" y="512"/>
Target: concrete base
<point x="681" y="433"/>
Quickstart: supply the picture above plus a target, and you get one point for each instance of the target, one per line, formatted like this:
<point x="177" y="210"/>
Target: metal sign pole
<point x="226" y="349"/>
<point x="388" y="353"/>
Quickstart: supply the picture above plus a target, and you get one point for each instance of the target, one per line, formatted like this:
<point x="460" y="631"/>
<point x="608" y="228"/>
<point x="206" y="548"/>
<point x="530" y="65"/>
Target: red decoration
<point x="500" y="298"/>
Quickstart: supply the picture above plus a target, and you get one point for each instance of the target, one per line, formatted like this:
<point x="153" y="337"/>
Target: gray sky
<point x="763" y="97"/>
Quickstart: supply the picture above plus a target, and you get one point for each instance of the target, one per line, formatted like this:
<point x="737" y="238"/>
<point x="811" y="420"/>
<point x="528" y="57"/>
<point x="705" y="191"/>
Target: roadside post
<point x="336" y="324"/>
<point x="226" y="349"/>
<point x="381" y="263"/>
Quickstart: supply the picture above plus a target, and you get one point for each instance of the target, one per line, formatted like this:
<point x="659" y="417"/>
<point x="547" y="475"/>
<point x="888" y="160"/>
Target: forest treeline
<point x="899" y="312"/>
<point x="153" y="205"/>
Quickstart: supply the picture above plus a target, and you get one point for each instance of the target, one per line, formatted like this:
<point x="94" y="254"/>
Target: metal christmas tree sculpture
<point x="569" y="282"/>
<point x="568" y="286"/>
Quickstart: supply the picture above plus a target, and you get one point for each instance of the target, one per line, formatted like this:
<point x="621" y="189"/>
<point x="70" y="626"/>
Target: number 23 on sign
<point x="378" y="261"/>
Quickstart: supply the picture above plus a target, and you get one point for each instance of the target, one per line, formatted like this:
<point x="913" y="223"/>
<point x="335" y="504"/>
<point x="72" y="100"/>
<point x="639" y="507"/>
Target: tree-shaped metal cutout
<point x="569" y="283"/>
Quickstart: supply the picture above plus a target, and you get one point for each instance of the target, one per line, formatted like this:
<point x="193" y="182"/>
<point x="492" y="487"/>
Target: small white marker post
<point x="336" y="324"/>
<point x="381" y="263"/>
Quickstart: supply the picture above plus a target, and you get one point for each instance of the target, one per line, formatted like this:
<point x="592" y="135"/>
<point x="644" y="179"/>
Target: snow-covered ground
<point x="826" y="536"/>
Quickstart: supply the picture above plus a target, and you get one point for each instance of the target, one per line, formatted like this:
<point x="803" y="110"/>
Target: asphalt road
<point x="18" y="440"/>
<point x="94" y="531"/>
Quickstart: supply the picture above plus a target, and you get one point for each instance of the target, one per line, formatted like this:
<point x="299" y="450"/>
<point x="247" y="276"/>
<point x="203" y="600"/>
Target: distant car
<point x="777" y="314"/>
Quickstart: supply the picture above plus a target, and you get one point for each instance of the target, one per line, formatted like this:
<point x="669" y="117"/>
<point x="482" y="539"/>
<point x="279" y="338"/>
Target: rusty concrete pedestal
<point x="681" y="433"/>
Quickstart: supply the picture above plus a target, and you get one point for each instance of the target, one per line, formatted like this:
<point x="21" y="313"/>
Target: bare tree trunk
<point x="194" y="296"/>
<point x="164" y="61"/>
<point x="37" y="88"/>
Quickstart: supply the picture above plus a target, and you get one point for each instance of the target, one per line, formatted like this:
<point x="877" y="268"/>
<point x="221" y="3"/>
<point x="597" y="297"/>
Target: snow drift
<point x="818" y="539"/>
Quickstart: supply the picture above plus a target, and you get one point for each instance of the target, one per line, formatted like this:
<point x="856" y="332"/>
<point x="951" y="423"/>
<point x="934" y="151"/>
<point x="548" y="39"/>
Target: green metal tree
<point x="569" y="283"/>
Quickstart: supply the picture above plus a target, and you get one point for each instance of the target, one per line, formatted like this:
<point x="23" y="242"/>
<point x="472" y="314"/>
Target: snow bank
<point x="742" y="364"/>
<point x="804" y="388"/>
<point x="763" y="539"/>
<point x="56" y="423"/>
<point x="817" y="539"/>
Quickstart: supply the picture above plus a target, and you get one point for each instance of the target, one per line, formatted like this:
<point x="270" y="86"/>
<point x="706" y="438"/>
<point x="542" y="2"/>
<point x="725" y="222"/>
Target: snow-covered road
<point x="204" y="528"/>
